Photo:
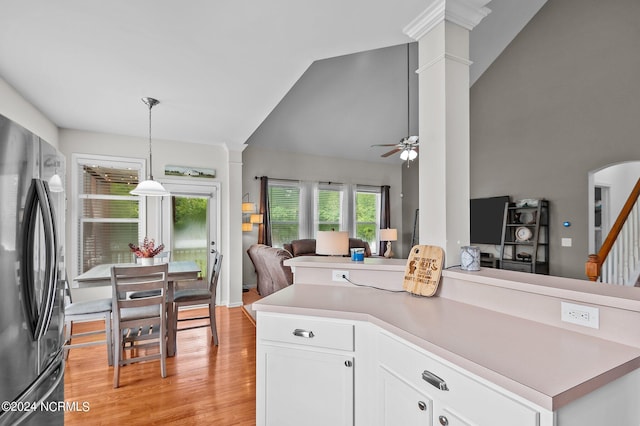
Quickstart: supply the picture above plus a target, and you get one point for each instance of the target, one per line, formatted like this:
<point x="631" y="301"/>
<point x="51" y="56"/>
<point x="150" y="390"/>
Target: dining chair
<point x="139" y="323"/>
<point x="88" y="310"/>
<point x="199" y="296"/>
<point x="163" y="257"/>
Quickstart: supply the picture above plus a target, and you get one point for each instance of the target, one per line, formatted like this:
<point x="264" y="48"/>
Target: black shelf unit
<point x="525" y="237"/>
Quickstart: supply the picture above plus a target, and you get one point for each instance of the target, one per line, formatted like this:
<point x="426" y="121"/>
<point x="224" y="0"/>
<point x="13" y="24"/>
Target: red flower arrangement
<point x="147" y="248"/>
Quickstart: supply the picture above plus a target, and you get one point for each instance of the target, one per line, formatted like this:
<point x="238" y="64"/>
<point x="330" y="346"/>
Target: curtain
<point x="385" y="213"/>
<point x="264" y="230"/>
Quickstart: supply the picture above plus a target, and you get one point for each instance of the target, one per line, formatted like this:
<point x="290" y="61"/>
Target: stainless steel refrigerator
<point x="31" y="269"/>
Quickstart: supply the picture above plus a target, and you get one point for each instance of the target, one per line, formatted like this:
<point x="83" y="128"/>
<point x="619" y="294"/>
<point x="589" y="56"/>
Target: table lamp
<point x="388" y="235"/>
<point x="332" y="243"/>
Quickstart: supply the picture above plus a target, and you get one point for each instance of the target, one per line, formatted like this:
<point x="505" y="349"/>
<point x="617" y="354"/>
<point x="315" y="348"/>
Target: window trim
<point x="79" y="160"/>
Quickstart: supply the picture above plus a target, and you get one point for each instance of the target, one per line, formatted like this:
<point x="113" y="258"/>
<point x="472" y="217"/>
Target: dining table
<point x="185" y="270"/>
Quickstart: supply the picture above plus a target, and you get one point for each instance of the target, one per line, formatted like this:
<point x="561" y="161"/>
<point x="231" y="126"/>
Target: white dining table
<point x="186" y="270"/>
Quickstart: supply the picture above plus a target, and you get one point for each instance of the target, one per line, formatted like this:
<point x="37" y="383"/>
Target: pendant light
<point x="150" y="187"/>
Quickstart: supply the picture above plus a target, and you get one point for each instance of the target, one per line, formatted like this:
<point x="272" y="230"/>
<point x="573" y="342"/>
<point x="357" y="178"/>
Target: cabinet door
<point x="401" y="403"/>
<point x="443" y="416"/>
<point x="307" y="387"/>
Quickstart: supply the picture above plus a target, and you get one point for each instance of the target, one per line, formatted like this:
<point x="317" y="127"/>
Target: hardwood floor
<point x="205" y="384"/>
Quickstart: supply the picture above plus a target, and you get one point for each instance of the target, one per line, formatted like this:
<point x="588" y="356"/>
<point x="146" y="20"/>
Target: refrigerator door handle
<point x="51" y="265"/>
<point x="38" y="319"/>
<point x="38" y="393"/>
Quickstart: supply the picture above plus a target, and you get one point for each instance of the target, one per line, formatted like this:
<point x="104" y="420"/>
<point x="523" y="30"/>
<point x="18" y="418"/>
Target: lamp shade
<point x="150" y="188"/>
<point x="389" y="234"/>
<point x="248" y="207"/>
<point x="255" y="218"/>
<point x="332" y="243"/>
<point x="247" y="226"/>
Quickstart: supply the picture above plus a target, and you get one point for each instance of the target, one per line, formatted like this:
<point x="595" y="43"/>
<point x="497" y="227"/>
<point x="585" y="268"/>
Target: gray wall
<point x="561" y="100"/>
<point x="341" y="106"/>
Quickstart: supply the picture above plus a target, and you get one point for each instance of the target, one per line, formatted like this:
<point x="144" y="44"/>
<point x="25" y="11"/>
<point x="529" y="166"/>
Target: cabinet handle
<point x="348" y="363"/>
<point x="443" y="420"/>
<point x="303" y="333"/>
<point x="434" y="380"/>
<point x="422" y="406"/>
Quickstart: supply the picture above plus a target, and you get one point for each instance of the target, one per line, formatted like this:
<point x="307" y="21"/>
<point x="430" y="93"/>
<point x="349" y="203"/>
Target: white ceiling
<point x="217" y="67"/>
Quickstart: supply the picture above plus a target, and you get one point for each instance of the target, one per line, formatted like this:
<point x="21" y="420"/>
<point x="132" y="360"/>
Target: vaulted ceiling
<point x="217" y="67"/>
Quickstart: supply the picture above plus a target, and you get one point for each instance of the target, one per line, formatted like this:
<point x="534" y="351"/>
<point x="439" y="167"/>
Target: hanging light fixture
<point x="411" y="142"/>
<point x="150" y="187"/>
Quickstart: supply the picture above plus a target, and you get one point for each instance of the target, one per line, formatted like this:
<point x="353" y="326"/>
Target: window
<point x="106" y="217"/>
<point x="329" y="206"/>
<point x="299" y="210"/>
<point x="284" y="202"/>
<point x="367" y="215"/>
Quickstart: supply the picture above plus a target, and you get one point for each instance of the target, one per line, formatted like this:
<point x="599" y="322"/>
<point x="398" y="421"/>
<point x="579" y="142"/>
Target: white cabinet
<point x="401" y="403"/>
<point x="322" y="371"/>
<point x="305" y="371"/>
<point x="456" y="397"/>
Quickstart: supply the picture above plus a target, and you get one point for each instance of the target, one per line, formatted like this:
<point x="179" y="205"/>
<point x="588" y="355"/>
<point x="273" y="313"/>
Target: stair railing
<point x="620" y="250"/>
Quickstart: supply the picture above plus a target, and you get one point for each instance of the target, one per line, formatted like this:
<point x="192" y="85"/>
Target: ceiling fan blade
<point x="393" y="151"/>
<point x="386" y="144"/>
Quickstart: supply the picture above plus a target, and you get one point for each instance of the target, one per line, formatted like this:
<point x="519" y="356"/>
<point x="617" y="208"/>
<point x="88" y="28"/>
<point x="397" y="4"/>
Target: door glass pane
<point x="190" y="230"/>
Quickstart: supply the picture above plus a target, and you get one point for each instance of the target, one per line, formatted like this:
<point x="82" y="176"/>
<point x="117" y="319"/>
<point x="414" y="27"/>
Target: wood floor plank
<point x="205" y="384"/>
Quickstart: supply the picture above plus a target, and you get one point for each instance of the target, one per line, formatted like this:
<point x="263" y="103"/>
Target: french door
<point x="189" y="222"/>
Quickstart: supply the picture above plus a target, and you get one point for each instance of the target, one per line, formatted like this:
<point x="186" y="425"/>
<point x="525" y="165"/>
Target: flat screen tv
<point x="486" y="219"/>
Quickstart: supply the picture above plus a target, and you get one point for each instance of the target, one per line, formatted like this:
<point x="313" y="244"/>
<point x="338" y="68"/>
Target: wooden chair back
<point x="142" y="319"/>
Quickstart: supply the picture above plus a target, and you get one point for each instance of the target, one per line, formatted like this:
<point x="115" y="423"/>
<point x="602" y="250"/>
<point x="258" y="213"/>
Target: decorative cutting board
<point x="423" y="270"/>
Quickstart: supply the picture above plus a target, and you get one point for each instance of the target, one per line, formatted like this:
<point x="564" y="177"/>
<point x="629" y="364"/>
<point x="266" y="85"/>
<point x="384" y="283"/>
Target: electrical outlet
<point x="587" y="316"/>
<point x="338" y="275"/>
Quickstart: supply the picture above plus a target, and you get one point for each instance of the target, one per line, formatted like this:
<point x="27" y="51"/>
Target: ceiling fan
<point x="408" y="146"/>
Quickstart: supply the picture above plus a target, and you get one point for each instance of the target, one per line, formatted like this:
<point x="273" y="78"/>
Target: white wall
<point x="289" y="165"/>
<point x="18" y="109"/>
<point x="620" y="178"/>
<point x="165" y="152"/>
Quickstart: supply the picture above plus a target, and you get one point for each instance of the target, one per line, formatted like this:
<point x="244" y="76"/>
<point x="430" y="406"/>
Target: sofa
<point x="307" y="247"/>
<point x="272" y="274"/>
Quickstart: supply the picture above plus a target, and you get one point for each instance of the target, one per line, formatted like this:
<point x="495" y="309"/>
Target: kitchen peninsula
<point x="488" y="349"/>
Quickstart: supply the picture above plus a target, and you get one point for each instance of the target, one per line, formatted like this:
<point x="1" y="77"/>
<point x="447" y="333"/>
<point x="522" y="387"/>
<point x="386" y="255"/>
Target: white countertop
<point x="369" y="263"/>
<point x="547" y="365"/>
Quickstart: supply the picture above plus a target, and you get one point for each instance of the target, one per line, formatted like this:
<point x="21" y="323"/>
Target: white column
<point x="442" y="32"/>
<point x="232" y="229"/>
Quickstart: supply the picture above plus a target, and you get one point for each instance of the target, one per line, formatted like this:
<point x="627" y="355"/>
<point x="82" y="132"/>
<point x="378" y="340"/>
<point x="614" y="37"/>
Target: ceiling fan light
<point x="412" y="155"/>
<point x="404" y="154"/>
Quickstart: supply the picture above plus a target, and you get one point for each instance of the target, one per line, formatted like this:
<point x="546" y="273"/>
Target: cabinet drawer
<point x="307" y="331"/>
<point x="459" y="394"/>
